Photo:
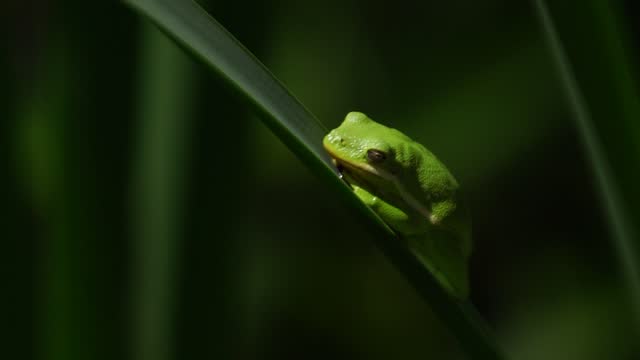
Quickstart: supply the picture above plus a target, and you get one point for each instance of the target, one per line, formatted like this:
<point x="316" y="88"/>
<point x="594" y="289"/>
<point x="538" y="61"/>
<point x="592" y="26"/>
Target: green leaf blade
<point x="192" y="27"/>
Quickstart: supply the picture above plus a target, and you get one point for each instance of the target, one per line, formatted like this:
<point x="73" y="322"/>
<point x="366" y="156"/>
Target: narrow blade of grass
<point x="164" y="84"/>
<point x="621" y="228"/>
<point x="192" y="27"/>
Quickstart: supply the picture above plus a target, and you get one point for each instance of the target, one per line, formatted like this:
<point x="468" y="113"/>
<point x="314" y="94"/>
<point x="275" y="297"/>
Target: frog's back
<point x="434" y="176"/>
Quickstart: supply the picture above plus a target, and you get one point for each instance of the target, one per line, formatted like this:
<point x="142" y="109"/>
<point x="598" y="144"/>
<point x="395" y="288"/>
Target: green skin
<point x="411" y="190"/>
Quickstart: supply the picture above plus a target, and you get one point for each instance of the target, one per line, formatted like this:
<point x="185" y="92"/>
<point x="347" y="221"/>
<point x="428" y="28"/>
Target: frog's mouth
<point x="361" y="175"/>
<point x="347" y="168"/>
<point x="350" y="175"/>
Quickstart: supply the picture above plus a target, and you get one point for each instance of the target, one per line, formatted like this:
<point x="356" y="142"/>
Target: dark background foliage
<point x="148" y="214"/>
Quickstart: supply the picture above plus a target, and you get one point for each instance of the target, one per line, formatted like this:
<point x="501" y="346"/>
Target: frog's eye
<point x="376" y="156"/>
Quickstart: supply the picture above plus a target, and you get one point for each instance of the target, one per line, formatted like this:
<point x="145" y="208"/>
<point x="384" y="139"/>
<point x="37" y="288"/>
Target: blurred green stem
<point x="607" y="182"/>
<point x="164" y="85"/>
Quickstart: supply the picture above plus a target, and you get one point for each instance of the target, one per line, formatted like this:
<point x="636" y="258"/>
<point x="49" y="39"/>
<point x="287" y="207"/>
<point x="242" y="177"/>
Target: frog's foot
<point x="341" y="171"/>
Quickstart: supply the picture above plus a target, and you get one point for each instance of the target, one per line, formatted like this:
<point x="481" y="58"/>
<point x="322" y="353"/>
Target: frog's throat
<point x="404" y="193"/>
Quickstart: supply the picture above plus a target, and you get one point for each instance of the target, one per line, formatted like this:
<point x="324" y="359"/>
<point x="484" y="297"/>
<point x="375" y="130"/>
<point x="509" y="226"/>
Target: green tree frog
<point x="411" y="190"/>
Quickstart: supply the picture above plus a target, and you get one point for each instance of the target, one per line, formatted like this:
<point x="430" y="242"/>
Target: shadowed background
<point x="148" y="214"/>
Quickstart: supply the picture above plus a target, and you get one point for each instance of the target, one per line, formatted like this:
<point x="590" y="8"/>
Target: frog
<point x="411" y="190"/>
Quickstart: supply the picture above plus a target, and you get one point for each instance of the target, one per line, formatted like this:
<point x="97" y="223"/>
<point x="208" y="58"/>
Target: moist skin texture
<point x="411" y="190"/>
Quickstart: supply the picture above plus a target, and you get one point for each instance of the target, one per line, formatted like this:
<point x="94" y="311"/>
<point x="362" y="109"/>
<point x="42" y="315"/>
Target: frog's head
<point x="388" y="163"/>
<point x="363" y="145"/>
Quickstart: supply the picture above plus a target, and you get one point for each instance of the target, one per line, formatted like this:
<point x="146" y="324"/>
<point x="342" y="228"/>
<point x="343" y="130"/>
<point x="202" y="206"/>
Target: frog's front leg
<point x="397" y="219"/>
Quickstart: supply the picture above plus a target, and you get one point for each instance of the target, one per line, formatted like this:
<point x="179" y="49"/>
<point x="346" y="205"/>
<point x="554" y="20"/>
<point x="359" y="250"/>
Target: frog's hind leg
<point x="443" y="257"/>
